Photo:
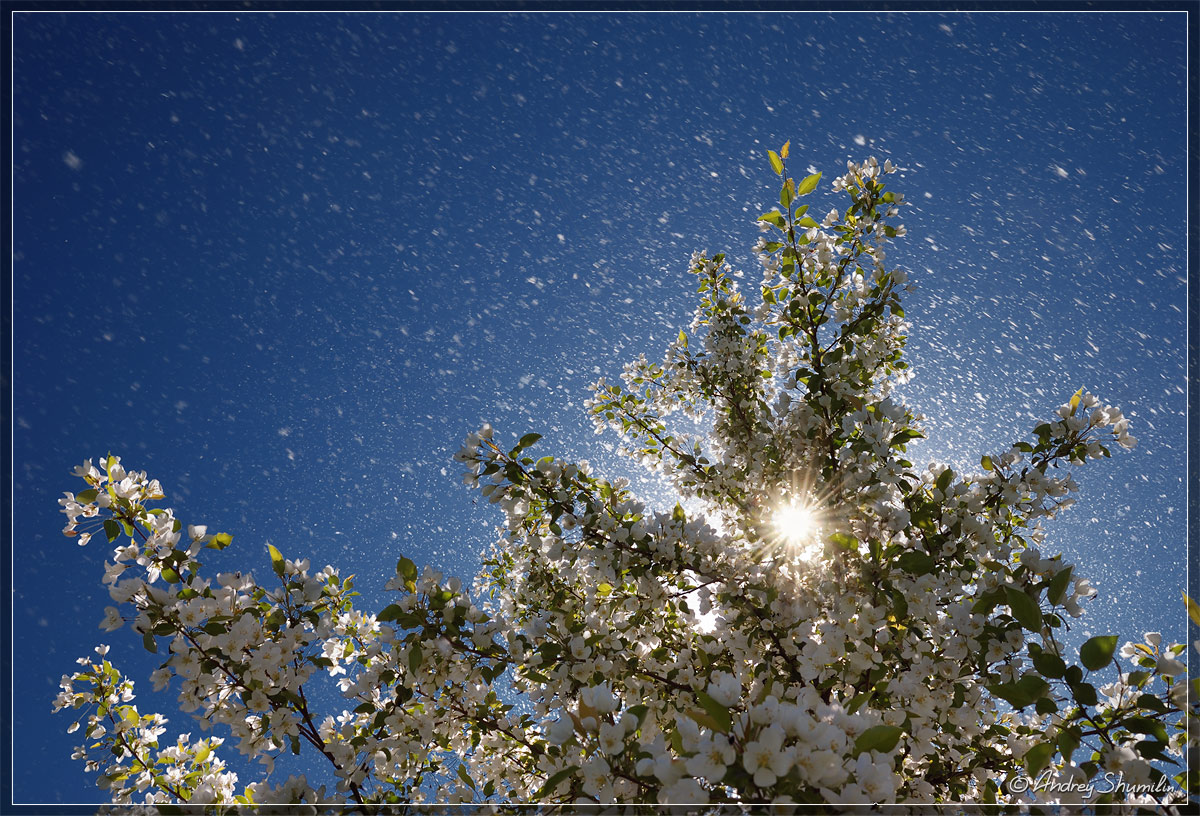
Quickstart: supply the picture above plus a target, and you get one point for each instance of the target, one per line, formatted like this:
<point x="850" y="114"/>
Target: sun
<point x="798" y="527"/>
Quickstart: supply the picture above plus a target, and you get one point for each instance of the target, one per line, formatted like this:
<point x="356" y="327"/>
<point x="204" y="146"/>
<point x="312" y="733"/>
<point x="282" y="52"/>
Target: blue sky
<point x="285" y="263"/>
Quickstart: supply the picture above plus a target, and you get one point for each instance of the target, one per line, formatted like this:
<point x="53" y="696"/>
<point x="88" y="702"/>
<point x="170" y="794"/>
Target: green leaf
<point x="986" y="464"/>
<point x="905" y="436"/>
<point x="112" y="530"/>
<point x="528" y="439"/>
<point x="1067" y="743"/>
<point x="987" y="602"/>
<point x="944" y="480"/>
<point x="170" y="576"/>
<point x="783" y="151"/>
<point x="87" y="496"/>
<point x="846" y="542"/>
<point x="776" y="162"/>
<point x="554" y="781"/>
<point x="1045" y="706"/>
<point x="415" y="656"/>
<point x="775" y="218"/>
<point x="1085" y="693"/>
<point x="389" y="613"/>
<point x="219" y="541"/>
<point x="406" y="569"/>
<point x="604" y="589"/>
<point x="150" y="644"/>
<point x="1049" y="665"/>
<point x="1153" y="703"/>
<point x="1024" y="609"/>
<point x="917" y="563"/>
<point x="703" y="718"/>
<point x="1193" y="609"/>
<point x="882" y="738"/>
<point x="639" y="711"/>
<point x="1037" y="757"/>
<point x="809" y="184"/>
<point x="1146" y="725"/>
<point x="1057" y="589"/>
<point x="276" y="559"/>
<point x="1098" y="651"/>
<point x="683" y="340"/>
<point x="678" y="514"/>
<point x="786" y="193"/>
<point x="464" y="776"/>
<point x="718" y="712"/>
<point x="1021" y="693"/>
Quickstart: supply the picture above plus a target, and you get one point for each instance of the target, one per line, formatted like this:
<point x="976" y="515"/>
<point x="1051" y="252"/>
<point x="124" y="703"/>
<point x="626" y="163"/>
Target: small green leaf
<point x="809" y="184"/>
<point x="1045" y="706"/>
<point x="1147" y="725"/>
<point x="406" y="569"/>
<point x="683" y="341"/>
<point x="775" y="218"/>
<point x="1037" y="757"/>
<point x="87" y="496"/>
<point x="702" y="718"/>
<point x="528" y="439"/>
<point x="776" y="162"/>
<point x="787" y="193"/>
<point x="170" y="576"/>
<point x="219" y="541"/>
<point x="783" y="151"/>
<point x="916" y="563"/>
<point x="1098" y="651"/>
<point x="555" y="780"/>
<point x="1057" y="589"/>
<point x="1049" y="665"/>
<point x="465" y="777"/>
<point x="112" y="530"/>
<point x="1021" y="693"/>
<point x="882" y="738"/>
<point x="389" y="613"/>
<point x="1067" y="743"/>
<point x="415" y="657"/>
<point x="846" y="542"/>
<point x="944" y="480"/>
<point x="276" y="559"/>
<point x="149" y="643"/>
<point x="986" y="464"/>
<point x="1024" y="609"/>
<point x="905" y="436"/>
<point x="718" y="712"/>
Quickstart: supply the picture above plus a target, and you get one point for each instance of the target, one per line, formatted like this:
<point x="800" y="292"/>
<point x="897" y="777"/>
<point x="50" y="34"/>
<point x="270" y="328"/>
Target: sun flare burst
<point x="798" y="527"/>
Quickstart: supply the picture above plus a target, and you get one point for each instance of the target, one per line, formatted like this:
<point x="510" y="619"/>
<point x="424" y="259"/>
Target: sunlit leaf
<point x="1097" y="652"/>
<point x="808" y="184"/>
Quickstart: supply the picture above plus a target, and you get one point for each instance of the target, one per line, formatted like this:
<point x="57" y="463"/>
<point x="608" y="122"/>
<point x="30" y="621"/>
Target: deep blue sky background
<point x="286" y="262"/>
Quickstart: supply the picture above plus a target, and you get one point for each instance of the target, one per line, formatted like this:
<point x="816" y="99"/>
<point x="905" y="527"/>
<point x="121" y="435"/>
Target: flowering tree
<point x="816" y="620"/>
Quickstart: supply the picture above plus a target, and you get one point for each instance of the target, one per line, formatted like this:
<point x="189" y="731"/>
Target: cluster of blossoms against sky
<point x="915" y="649"/>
